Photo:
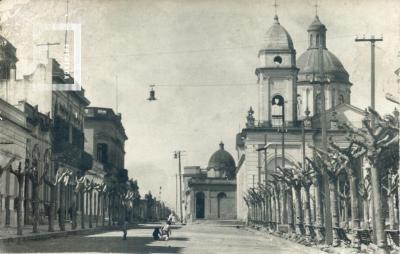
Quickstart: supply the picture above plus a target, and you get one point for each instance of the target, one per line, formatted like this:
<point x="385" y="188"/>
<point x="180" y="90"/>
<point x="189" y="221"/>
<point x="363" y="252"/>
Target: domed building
<point x="210" y="193"/>
<point x="289" y="99"/>
<point x="338" y="89"/>
<point x="221" y="164"/>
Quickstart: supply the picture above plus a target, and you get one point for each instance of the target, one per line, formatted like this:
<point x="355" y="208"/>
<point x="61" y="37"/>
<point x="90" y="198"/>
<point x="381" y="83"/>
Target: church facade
<point x="289" y="107"/>
<point x="210" y="193"/>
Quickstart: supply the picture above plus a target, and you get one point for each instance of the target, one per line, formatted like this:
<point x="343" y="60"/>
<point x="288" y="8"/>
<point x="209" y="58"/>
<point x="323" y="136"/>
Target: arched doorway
<point x="221" y="204"/>
<point x="200" y="205"/>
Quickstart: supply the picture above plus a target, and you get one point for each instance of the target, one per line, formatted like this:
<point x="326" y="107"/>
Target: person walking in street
<point x="125" y="229"/>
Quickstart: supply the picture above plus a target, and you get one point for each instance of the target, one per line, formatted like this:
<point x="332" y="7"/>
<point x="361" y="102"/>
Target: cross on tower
<point x="276" y="7"/>
<point x="316" y="8"/>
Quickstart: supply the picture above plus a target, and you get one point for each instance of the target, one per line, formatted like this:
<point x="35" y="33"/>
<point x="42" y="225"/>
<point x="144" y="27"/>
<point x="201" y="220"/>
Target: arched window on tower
<point x="277" y="109"/>
<point x="311" y="40"/>
<point x="318" y="104"/>
<point x="317" y="41"/>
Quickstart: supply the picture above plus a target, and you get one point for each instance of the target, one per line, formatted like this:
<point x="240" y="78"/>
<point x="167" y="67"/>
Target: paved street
<point x="197" y="238"/>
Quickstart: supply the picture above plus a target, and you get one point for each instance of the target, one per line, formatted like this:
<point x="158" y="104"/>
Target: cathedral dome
<point x="223" y="162"/>
<point x="309" y="65"/>
<point x="277" y="38"/>
<point x="308" y="62"/>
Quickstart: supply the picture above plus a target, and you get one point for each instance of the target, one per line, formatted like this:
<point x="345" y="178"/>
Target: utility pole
<point x="322" y="81"/>
<point x="284" y="195"/>
<point x="372" y="40"/>
<point x="177" y="155"/>
<point x="176" y="188"/>
<point x="116" y="94"/>
<point x="378" y="222"/>
<point x="265" y="159"/>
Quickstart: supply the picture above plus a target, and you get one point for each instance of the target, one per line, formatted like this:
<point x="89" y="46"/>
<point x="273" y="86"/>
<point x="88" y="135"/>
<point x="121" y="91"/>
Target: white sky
<point x="189" y="49"/>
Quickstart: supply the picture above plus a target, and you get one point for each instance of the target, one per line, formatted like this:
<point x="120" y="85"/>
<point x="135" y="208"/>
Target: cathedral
<point x="289" y="106"/>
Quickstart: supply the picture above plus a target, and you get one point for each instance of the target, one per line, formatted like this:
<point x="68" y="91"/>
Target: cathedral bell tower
<point x="277" y="78"/>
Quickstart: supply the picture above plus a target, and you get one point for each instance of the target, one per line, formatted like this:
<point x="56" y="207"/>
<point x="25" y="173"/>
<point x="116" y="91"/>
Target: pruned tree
<point x="20" y="174"/>
<point x="36" y="180"/>
<point x="276" y="191"/>
<point x="382" y="144"/>
<point x="79" y="195"/>
<point x="52" y="183"/>
<point x="63" y="182"/>
<point x="284" y="177"/>
<point x="332" y="167"/>
<point x="391" y="192"/>
<point x="351" y="155"/>
<point x="364" y="190"/>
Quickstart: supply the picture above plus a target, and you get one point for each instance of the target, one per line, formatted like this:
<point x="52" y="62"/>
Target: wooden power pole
<point x="378" y="221"/>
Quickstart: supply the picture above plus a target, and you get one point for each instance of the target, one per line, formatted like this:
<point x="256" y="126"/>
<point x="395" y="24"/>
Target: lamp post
<point x="177" y="155"/>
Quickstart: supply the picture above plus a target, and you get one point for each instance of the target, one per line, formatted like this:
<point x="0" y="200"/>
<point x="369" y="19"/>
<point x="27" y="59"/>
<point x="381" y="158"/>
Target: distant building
<point x="105" y="141"/>
<point x="105" y="137"/>
<point x="210" y="193"/>
<point x="287" y="92"/>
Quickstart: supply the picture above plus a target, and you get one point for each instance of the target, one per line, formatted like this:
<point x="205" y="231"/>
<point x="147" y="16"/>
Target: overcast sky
<point x="201" y="55"/>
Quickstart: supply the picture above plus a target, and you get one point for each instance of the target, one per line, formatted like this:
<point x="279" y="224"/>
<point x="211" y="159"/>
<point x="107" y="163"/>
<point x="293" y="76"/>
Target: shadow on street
<point x="96" y="243"/>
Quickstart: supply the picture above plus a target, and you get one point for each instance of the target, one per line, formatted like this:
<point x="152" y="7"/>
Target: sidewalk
<point x="9" y="234"/>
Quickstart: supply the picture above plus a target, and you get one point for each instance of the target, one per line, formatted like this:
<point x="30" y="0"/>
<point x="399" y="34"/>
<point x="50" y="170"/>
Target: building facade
<point x="289" y="107"/>
<point x="210" y="193"/>
<point x="105" y="141"/>
<point x="25" y="134"/>
<point x="64" y="108"/>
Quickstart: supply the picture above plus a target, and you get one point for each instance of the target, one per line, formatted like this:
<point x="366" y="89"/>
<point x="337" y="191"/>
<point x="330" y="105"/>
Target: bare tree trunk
<point x="378" y="218"/>
<point x="307" y="206"/>
<point x="318" y="209"/>
<point x="53" y="193"/>
<point x="98" y="208"/>
<point x="334" y="209"/>
<point x="90" y="208"/>
<point x="19" y="206"/>
<point x="35" y="206"/>
<point x="109" y="209"/>
<point x="391" y="203"/>
<point x="74" y="210"/>
<point x="299" y="211"/>
<point x="103" y="207"/>
<point x="61" y="219"/>
<point x="354" y="203"/>
<point x="366" y="211"/>
<point x="284" y="217"/>
<point x="278" y="205"/>
<point x="82" y="206"/>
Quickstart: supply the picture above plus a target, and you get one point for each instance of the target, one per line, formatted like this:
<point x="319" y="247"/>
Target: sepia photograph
<point x="200" y="126"/>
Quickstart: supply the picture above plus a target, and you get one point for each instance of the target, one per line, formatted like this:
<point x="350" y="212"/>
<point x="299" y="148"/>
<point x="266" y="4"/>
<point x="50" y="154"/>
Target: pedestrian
<point x="70" y="212"/>
<point x="171" y="218"/>
<point x="156" y="233"/>
<point x="125" y="229"/>
<point x="166" y="230"/>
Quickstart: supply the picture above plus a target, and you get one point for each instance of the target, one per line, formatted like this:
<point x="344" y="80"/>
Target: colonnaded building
<point x="210" y="193"/>
<point x="287" y="88"/>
